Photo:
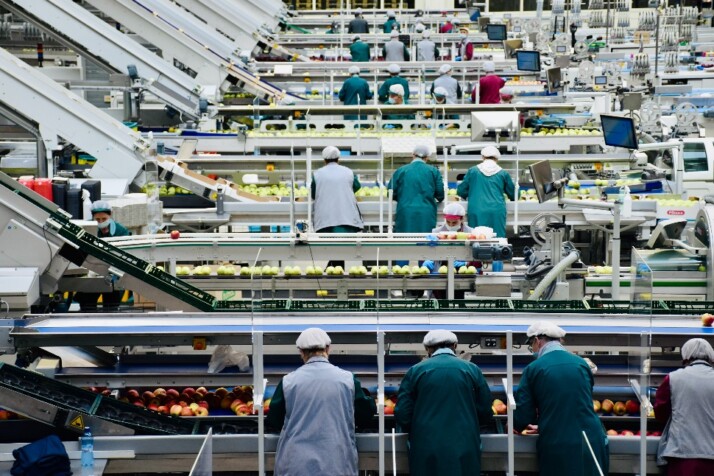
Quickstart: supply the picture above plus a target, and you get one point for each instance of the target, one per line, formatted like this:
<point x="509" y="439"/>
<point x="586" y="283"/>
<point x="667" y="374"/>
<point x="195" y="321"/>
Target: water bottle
<point x="87" y="444"/>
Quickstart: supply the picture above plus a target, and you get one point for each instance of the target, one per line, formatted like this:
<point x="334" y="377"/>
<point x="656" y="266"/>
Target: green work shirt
<point x="359" y="51"/>
<point x="486" y="206"/>
<point x="383" y="92"/>
<point x="442" y="403"/>
<point x="389" y="25"/>
<point x="555" y="393"/>
<point x="417" y="188"/>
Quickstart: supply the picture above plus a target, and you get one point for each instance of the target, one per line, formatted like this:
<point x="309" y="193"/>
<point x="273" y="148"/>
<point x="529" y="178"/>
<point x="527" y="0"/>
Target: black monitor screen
<point x="528" y="60"/>
<point x="619" y="131"/>
<point x="496" y="32"/>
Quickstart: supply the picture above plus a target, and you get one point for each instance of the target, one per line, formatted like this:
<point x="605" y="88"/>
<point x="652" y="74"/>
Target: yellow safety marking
<point x="78" y="422"/>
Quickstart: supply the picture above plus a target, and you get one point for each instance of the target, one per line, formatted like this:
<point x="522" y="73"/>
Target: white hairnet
<point x="445" y="68"/>
<point x="330" y="153"/>
<point x="394" y="68"/>
<point x="394" y="34"/>
<point x="101" y="206"/>
<point x="313" y="338"/>
<point x="358" y="11"/>
<point x="426" y="34"/>
<point x="440" y="336"/>
<point x="491" y="152"/>
<point x="419" y="27"/>
<point x="697" y="349"/>
<point x="489" y="66"/>
<point x="454" y="208"/>
<point x="422" y="150"/>
<point x="545" y="328"/>
<point x="355" y="37"/>
<point x="506" y="92"/>
<point x="354" y="70"/>
<point x="397" y="89"/>
<point x="391" y="14"/>
<point x="440" y="91"/>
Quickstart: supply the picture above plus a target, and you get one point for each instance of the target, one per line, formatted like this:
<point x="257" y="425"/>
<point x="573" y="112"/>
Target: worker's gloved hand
<point x="458" y="58"/>
<point x="458" y="264"/>
<point x="432" y="239"/>
<point x="388" y="126"/>
<point x="429" y="264"/>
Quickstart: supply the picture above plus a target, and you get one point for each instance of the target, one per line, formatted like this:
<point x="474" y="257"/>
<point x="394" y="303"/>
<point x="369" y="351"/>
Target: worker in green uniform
<point x="394" y="78"/>
<point x="107" y="227"/>
<point x="555" y="397"/>
<point x="442" y="403"/>
<point x="355" y="91"/>
<point x="417" y="188"/>
<point x="391" y="23"/>
<point x="484" y="186"/>
<point x="359" y="50"/>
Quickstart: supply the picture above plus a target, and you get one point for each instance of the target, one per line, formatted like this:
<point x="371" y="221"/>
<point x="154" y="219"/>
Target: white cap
<point x="394" y="68"/>
<point x="313" y="338"/>
<point x="506" y="92"/>
<point x="489" y="66"/>
<point x="426" y="34"/>
<point x="697" y="349"/>
<point x="391" y="14"/>
<point x="394" y="34"/>
<point x="440" y="91"/>
<point x="545" y="328"/>
<point x="419" y="27"/>
<point x="454" y="208"/>
<point x="490" y="152"/>
<point x="445" y="68"/>
<point x="440" y="336"/>
<point x="397" y="89"/>
<point x="358" y="11"/>
<point x="422" y="150"/>
<point x="354" y="70"/>
<point x="455" y="21"/>
<point x="330" y="153"/>
<point x="355" y="37"/>
<point x="101" y="206"/>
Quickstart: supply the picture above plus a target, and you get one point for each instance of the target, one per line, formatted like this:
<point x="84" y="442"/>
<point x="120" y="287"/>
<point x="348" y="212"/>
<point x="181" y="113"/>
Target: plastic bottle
<point x="86" y="205"/>
<point x="627" y="203"/>
<point x="87" y="445"/>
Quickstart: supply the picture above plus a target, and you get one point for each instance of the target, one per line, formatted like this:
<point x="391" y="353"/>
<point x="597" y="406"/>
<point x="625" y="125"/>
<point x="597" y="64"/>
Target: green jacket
<point x="442" y="403"/>
<point x="555" y="392"/>
<point x="383" y="92"/>
<point x="359" y="51"/>
<point x="417" y="188"/>
<point x="390" y="25"/>
<point x="486" y="206"/>
<point x="115" y="229"/>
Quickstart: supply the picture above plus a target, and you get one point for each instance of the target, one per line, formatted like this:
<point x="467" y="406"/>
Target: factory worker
<point x="417" y="188"/>
<point x="439" y="95"/>
<point x="107" y="227"/>
<point x="394" y="78"/>
<point x="506" y="95"/>
<point x="391" y="24"/>
<point x="452" y="87"/>
<point x="684" y="402"/>
<point x="426" y="49"/>
<point x="334" y="28"/>
<point x="449" y="25"/>
<point x="359" y="50"/>
<point x="316" y="407"/>
<point x="394" y="49"/>
<point x="466" y="48"/>
<point x="355" y="91"/>
<point x="484" y="186"/>
<point x="489" y="86"/>
<point x="358" y="24"/>
<point x="442" y="403"/>
<point x="454" y="214"/>
<point x="419" y="27"/>
<point x="555" y="397"/>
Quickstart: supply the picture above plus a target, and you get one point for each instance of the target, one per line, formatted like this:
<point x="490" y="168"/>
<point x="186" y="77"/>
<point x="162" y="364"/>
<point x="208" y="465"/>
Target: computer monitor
<point x="554" y="80"/>
<point x="482" y="22"/>
<point x="510" y="47"/>
<point x="496" y="32"/>
<point x="542" y="176"/>
<point x="619" y="131"/>
<point x="561" y="49"/>
<point x="600" y="80"/>
<point x="528" y="60"/>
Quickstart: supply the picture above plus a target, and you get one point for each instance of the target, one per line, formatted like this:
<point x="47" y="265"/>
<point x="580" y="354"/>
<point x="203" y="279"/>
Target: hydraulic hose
<point x="553" y="275"/>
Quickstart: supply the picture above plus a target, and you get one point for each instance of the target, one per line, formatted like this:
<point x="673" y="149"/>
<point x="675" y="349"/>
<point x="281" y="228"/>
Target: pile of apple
<point x="631" y="433"/>
<point x="281" y="190"/>
<point x="560" y="131"/>
<point x="226" y="270"/>
<point x="189" y="402"/>
<point x="314" y="271"/>
<point x="266" y="270"/>
<point x="498" y="407"/>
<point x="334" y="271"/>
<point x="8" y="415"/>
<point x="389" y="404"/>
<point x="607" y="407"/>
<point x="460" y="235"/>
<point x="374" y="191"/>
<point x="202" y="271"/>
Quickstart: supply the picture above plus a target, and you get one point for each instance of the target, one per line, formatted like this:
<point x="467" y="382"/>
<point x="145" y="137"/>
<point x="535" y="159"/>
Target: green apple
<point x="310" y="270"/>
<point x="415" y="269"/>
<point x="396" y="269"/>
<point x="339" y="270"/>
<point x="463" y="270"/>
<point x="383" y="270"/>
<point x="702" y="268"/>
<point x="424" y="270"/>
<point x="443" y="269"/>
<point x="330" y="270"/>
<point x="471" y="270"/>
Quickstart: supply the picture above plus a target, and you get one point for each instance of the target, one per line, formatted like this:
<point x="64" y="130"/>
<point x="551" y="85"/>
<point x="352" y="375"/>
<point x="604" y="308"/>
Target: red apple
<point x="132" y="394"/>
<point x="4" y="415"/>
<point x="186" y="411"/>
<point x="203" y="404"/>
<point x="160" y="392"/>
<point x="201" y="412"/>
<point x="189" y="391"/>
<point x="175" y="234"/>
<point x="388" y="410"/>
<point x="226" y="402"/>
<point x="596" y="405"/>
<point x="607" y="406"/>
<point x="201" y="390"/>
<point x="176" y="410"/>
<point x="707" y="319"/>
<point x="619" y="409"/>
<point x="266" y="406"/>
<point x="153" y="407"/>
<point x="163" y="409"/>
<point x="139" y="403"/>
<point x="235" y="403"/>
<point x="106" y="392"/>
<point x="626" y="433"/>
<point x="242" y="409"/>
<point x="172" y="394"/>
<point x="148" y="396"/>
<point x="221" y="392"/>
<point x="612" y="432"/>
<point x="656" y="433"/>
<point x="632" y="407"/>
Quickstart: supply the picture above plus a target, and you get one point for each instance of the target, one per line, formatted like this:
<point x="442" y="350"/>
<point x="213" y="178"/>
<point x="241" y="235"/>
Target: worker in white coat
<point x="426" y="49"/>
<point x="316" y="407"/>
<point x="451" y="85"/>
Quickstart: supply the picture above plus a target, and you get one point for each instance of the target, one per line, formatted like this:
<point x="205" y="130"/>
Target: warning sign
<point x="78" y="422"/>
